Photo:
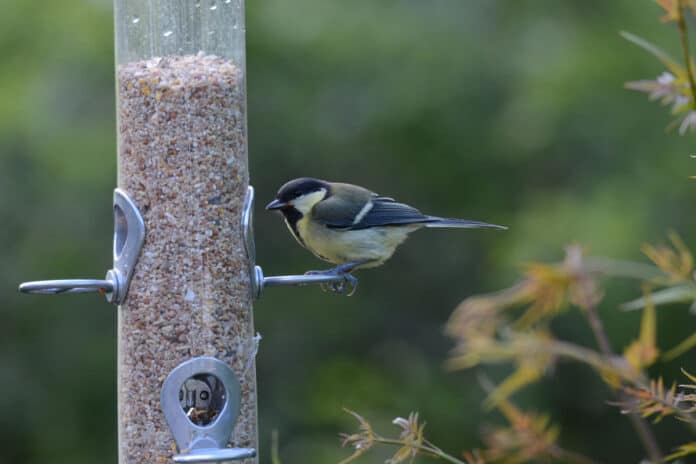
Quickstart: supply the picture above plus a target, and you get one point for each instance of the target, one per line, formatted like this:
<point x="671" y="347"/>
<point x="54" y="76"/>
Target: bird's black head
<point x="300" y="194"/>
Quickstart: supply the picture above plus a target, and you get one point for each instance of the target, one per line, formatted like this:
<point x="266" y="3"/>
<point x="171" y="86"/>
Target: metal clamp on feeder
<point x="200" y="400"/>
<point x="259" y="282"/>
<point x="129" y="235"/>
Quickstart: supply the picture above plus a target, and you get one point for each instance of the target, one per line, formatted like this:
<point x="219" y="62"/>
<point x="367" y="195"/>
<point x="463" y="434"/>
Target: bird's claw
<point x="339" y="286"/>
<point x="342" y="286"/>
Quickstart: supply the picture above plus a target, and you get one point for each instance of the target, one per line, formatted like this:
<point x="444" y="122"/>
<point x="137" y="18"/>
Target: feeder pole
<point x="182" y="160"/>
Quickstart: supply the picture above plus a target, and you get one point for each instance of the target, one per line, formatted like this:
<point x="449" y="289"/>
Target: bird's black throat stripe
<point x="292" y="216"/>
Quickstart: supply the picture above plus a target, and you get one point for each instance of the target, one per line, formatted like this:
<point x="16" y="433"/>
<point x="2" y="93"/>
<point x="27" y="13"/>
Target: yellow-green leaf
<point x="690" y="376"/>
<point x="524" y="375"/>
<point x="678" y="294"/>
<point x="643" y="352"/>
<point x="683" y="450"/>
<point x="667" y="60"/>
<point x="681" y="348"/>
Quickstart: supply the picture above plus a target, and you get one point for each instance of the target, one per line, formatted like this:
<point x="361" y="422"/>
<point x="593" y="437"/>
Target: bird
<point x="351" y="226"/>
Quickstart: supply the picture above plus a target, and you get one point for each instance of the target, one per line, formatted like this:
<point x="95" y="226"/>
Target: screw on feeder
<point x="336" y="282"/>
<point x="209" y="388"/>
<point x="129" y="235"/>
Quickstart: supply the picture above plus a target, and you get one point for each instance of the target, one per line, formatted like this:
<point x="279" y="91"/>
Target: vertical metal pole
<point x="182" y="158"/>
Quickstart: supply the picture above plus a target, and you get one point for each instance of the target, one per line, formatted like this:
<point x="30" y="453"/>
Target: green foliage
<point x="410" y="443"/>
<point x="677" y="86"/>
<point x="487" y="331"/>
<point x="527" y="437"/>
<point x="677" y="265"/>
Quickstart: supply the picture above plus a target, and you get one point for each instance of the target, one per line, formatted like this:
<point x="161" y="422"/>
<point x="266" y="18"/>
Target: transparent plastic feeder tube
<point x="182" y="158"/>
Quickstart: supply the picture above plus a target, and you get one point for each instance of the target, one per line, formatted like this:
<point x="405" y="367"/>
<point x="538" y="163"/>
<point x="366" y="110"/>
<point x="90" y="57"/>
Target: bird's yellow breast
<point x="338" y="246"/>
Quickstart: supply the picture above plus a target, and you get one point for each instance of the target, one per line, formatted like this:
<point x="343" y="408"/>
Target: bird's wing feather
<point x="383" y="212"/>
<point x="339" y="210"/>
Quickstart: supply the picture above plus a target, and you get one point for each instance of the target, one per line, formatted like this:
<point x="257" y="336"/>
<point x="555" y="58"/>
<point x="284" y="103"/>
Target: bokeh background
<point x="505" y="111"/>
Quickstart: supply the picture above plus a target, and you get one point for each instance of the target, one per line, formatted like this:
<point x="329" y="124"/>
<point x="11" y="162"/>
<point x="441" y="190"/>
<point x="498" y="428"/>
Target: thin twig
<point x="433" y="450"/>
<point x="601" y="363"/>
<point x="684" y="38"/>
<point x="639" y="424"/>
<point x="598" y="331"/>
<point x="646" y="437"/>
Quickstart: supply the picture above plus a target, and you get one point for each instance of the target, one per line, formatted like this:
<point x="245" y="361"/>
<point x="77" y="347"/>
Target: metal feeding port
<point x="129" y="235"/>
<point x="200" y="400"/>
<point x="337" y="283"/>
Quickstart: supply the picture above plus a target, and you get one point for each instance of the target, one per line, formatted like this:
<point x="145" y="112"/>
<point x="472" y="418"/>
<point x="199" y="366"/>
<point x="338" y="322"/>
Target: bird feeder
<point x="186" y="344"/>
<point x="186" y="331"/>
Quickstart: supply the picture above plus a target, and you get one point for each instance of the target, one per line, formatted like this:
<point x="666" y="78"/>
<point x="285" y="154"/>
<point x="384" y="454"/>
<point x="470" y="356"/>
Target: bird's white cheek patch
<point x="305" y="203"/>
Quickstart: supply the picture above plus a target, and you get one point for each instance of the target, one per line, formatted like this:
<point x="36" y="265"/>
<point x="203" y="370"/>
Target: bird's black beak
<point x="276" y="204"/>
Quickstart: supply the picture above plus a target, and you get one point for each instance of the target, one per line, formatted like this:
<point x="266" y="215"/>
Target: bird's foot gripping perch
<point x="344" y="271"/>
<point x="337" y="286"/>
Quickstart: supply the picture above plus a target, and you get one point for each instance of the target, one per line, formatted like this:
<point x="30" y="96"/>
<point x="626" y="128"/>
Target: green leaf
<point x="681" y="348"/>
<point x="643" y="352"/>
<point x="657" y="52"/>
<point x="523" y="376"/>
<point x="678" y="294"/>
<point x="681" y="451"/>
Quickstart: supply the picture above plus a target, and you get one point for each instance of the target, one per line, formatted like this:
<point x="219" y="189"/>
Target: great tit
<point x="352" y="226"/>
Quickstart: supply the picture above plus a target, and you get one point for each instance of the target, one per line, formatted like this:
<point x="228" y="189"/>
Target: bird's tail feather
<point x="438" y="222"/>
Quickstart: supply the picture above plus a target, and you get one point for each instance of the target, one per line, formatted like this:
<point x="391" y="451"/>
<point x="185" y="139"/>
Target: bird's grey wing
<point x="382" y="212"/>
<point x="340" y="211"/>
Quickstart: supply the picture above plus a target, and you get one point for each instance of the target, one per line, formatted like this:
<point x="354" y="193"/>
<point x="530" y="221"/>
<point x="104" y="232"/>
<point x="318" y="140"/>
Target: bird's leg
<point x="348" y="267"/>
<point x="339" y="270"/>
<point x="344" y="270"/>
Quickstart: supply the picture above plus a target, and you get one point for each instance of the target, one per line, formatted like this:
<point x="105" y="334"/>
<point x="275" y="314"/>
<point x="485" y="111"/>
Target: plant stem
<point x="639" y="424"/>
<point x="435" y="451"/>
<point x="684" y="38"/>
<point x="598" y="330"/>
<point x="601" y="363"/>
<point x="646" y="437"/>
<point x="275" y="457"/>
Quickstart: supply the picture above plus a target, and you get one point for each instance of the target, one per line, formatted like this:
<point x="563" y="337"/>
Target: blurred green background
<point x="505" y="111"/>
